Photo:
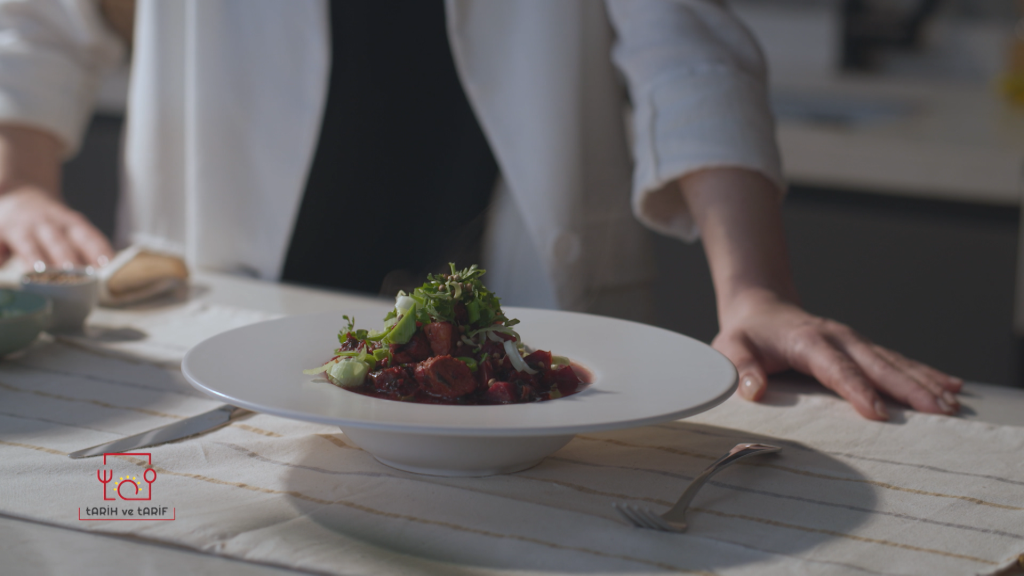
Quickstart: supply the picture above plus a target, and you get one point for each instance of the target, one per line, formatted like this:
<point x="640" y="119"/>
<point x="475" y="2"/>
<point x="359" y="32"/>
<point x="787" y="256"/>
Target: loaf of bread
<point x="137" y="274"/>
<point x="145" y="269"/>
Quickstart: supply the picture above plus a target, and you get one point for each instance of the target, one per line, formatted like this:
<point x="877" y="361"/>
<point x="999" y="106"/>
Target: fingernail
<point x="880" y="410"/>
<point x="102" y="261"/>
<point x="39" y="266"/>
<point x="955" y="380"/>
<point x="944" y="406"/>
<point x="950" y="398"/>
<point x="67" y="265"/>
<point x="748" y="387"/>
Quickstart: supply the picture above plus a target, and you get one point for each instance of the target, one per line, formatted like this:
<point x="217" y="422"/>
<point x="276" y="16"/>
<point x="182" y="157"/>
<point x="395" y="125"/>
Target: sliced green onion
<point x="348" y="373"/>
<point x="559" y="361"/>
<point x="403" y="331"/>
<point x="404" y="303"/>
<point x="517" y="361"/>
<point x="315" y="371"/>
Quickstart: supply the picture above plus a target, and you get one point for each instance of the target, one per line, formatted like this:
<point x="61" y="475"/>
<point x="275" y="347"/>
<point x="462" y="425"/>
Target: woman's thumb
<point x="753" y="382"/>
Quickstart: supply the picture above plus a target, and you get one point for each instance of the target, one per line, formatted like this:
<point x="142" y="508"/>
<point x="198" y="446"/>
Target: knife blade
<point x="188" y="427"/>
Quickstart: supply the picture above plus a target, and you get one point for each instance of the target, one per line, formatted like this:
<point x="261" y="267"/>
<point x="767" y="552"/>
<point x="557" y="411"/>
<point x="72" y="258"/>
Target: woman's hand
<point x="763" y="330"/>
<point x="764" y="335"/>
<point x="35" y="225"/>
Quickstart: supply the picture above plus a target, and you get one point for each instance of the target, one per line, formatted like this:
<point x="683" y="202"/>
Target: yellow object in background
<point x="1012" y="82"/>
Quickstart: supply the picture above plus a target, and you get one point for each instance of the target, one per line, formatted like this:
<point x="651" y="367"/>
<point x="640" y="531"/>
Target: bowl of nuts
<point x="74" y="294"/>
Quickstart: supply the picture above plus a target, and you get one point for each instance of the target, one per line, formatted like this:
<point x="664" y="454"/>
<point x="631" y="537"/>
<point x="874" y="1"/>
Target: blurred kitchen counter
<point x="931" y="140"/>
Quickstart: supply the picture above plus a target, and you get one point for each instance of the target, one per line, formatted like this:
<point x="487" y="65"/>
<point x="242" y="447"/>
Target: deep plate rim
<point x="716" y="362"/>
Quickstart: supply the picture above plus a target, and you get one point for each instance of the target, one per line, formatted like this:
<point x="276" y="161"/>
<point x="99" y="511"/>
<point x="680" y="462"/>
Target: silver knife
<point x="188" y="427"/>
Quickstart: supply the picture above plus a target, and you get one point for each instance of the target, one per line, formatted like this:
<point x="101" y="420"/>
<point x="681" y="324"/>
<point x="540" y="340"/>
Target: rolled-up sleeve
<point x="697" y="82"/>
<point x="52" y="55"/>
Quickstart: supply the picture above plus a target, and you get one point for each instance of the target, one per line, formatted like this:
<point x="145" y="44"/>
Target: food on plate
<point x="448" y="343"/>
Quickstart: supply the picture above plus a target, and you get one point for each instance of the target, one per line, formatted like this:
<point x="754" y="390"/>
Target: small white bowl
<point x="74" y="294"/>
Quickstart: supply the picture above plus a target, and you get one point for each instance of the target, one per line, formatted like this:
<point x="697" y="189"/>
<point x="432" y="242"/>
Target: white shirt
<point x="226" y="98"/>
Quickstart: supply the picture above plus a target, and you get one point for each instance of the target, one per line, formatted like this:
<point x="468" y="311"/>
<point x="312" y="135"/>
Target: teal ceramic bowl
<point x="23" y="316"/>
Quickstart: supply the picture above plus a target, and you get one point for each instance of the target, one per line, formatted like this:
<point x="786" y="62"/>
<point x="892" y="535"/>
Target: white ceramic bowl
<point x="641" y="375"/>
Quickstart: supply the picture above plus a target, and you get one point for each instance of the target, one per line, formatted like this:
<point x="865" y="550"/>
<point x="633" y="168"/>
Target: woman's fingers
<point x="55" y="245"/>
<point x="23" y="245"/>
<point x="947" y="383"/>
<point x="912" y="383"/>
<point x="36" y="228"/>
<point x="770" y="336"/>
<point x="753" y="381"/>
<point x="912" y="387"/>
<point x="812" y="353"/>
<point x="92" y="246"/>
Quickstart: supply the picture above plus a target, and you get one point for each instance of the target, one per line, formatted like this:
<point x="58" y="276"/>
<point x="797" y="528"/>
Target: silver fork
<point x="674" y="519"/>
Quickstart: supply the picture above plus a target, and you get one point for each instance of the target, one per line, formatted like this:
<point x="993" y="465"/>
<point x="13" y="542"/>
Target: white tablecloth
<point x="920" y="495"/>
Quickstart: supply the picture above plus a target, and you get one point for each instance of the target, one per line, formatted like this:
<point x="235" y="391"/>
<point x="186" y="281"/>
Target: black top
<point x="402" y="173"/>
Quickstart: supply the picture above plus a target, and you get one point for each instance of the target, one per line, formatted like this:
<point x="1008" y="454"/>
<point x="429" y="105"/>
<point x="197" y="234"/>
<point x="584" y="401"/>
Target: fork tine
<point x="644" y="518"/>
<point x="627" y="512"/>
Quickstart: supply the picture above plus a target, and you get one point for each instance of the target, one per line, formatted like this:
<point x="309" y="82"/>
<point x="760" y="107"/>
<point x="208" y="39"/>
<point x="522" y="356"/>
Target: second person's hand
<point x="36" y="227"/>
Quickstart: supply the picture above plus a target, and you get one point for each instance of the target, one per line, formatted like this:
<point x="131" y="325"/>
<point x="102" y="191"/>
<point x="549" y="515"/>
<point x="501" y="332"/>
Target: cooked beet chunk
<point x="415" y="350"/>
<point x="445" y="376"/>
<point x="539" y="360"/>
<point x="565" y="379"/>
<point x="396" y="382"/>
<point x="350" y="343"/>
<point x="485" y="373"/>
<point x="502" y="392"/>
<point x="526" y="387"/>
<point x="440" y="335"/>
<point x="527" y="392"/>
<point x="492" y="348"/>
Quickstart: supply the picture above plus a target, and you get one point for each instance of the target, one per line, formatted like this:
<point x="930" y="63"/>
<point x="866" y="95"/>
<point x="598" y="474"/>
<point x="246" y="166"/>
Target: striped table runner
<point x="921" y="495"/>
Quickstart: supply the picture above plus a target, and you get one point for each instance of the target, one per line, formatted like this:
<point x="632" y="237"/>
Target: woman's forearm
<point x="762" y="330"/>
<point x="36" y="226"/>
<point x="740" y="220"/>
<point x="29" y="157"/>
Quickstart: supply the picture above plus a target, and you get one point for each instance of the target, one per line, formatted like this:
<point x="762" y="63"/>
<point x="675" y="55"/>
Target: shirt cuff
<point x="46" y="92"/>
<point x="695" y="119"/>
